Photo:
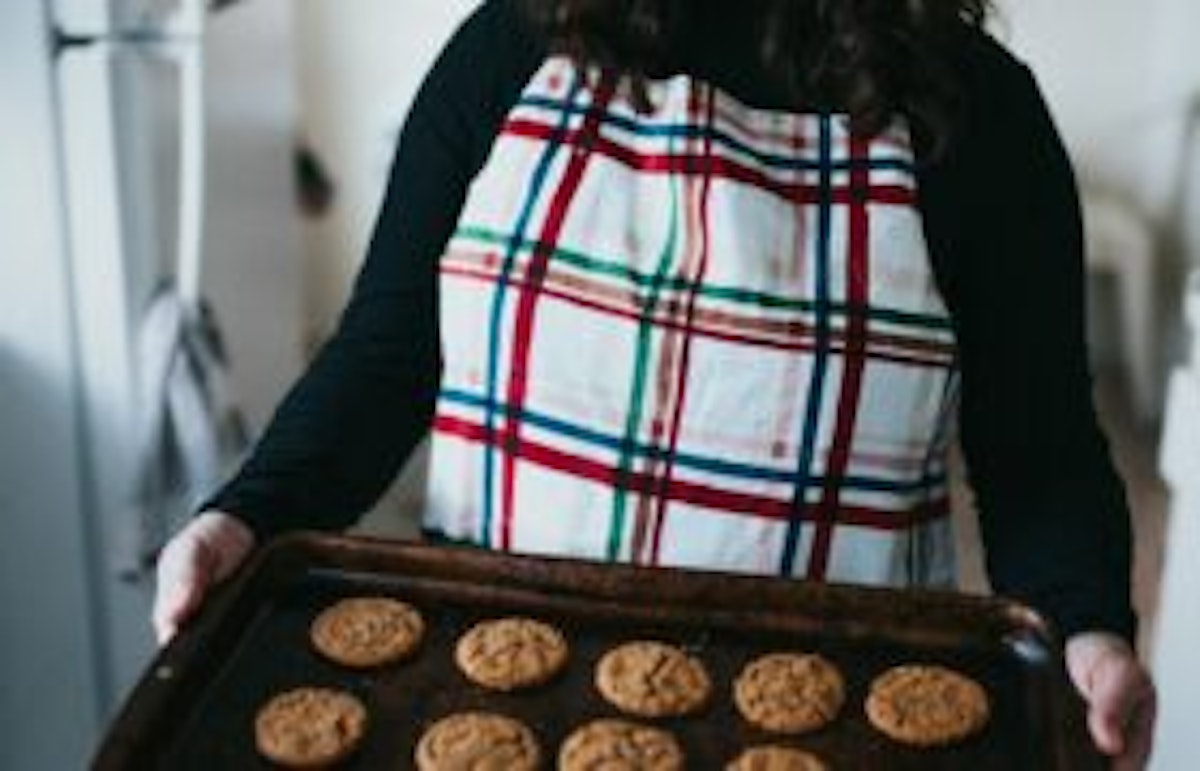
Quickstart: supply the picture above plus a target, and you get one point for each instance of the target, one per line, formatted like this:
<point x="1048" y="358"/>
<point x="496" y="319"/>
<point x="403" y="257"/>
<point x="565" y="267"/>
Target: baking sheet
<point x="195" y="707"/>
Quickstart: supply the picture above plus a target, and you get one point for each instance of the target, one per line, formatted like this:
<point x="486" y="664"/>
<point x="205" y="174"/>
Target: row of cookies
<point x="319" y="728"/>
<point x="783" y="693"/>
<point x="478" y="740"/>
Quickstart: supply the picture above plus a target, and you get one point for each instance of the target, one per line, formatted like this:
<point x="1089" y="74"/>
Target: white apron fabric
<point x="708" y="336"/>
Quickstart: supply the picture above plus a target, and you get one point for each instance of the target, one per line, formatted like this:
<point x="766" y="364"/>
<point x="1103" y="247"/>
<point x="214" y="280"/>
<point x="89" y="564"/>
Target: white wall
<point x="357" y="74"/>
<point x="1119" y="76"/>
<point x="254" y="255"/>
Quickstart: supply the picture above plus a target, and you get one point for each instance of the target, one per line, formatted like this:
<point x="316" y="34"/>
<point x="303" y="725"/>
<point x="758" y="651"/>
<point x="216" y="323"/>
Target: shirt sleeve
<point x="345" y="428"/>
<point x="1053" y="514"/>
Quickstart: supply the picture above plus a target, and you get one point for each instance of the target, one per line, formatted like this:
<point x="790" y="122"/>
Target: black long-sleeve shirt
<point x="1001" y="215"/>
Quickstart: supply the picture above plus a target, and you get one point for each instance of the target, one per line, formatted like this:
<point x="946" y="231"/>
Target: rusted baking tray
<point x="195" y="707"/>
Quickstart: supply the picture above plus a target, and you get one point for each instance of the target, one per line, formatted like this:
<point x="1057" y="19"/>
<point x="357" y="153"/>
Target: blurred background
<point x="186" y="193"/>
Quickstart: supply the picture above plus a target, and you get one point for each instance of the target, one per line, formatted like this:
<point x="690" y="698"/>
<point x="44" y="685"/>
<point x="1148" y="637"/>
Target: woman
<point x="691" y="283"/>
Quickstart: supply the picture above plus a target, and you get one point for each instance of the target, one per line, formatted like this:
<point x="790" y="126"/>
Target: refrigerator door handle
<point x="180" y="41"/>
<point x="186" y="22"/>
<point x="163" y="326"/>
<point x="185" y="31"/>
<point x="191" y="176"/>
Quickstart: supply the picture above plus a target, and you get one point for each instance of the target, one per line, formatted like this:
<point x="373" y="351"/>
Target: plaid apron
<point x="708" y="336"/>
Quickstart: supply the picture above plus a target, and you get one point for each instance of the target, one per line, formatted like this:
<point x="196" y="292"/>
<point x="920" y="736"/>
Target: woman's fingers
<point x="1138" y="733"/>
<point x="184" y="572"/>
<point x="1114" y="697"/>
<point x="203" y="553"/>
<point x="1120" y="697"/>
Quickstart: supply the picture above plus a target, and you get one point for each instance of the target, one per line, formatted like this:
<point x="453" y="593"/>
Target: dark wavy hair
<point x="872" y="59"/>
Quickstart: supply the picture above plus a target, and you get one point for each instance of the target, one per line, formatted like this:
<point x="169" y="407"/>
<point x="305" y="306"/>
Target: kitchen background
<point x="302" y="101"/>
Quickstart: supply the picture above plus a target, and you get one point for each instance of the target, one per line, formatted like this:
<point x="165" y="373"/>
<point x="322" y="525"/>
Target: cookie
<point x="366" y="632"/>
<point x="620" y="744"/>
<point x="789" y="693"/>
<point x="478" y="741"/>
<point x="511" y="653"/>
<point x="775" y="758"/>
<point x="310" y="727"/>
<point x="652" y="679"/>
<point x="927" y="706"/>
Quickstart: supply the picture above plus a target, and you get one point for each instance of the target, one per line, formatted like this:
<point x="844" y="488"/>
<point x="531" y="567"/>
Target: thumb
<point x="1106" y="725"/>
<point x="184" y="572"/>
<point x="1114" y="697"/>
<point x="1106" y="674"/>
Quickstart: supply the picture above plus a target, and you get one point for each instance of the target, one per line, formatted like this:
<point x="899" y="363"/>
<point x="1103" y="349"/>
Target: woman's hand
<point x="1121" y="699"/>
<point x="202" y="554"/>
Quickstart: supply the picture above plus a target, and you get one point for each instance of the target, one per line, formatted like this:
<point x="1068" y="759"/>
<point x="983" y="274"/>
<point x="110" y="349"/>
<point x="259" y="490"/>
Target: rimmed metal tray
<point x="195" y="706"/>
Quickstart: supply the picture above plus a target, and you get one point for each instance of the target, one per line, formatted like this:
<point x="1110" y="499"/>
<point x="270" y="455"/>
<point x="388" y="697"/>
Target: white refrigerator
<point x="145" y="153"/>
